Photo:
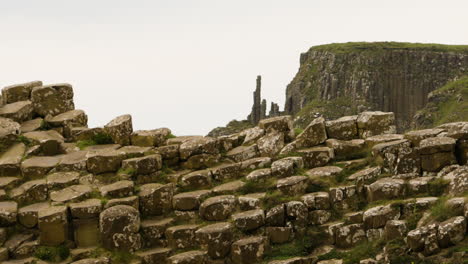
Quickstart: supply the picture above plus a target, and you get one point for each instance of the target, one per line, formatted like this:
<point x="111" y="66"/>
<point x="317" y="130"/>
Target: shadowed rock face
<point x="378" y="76"/>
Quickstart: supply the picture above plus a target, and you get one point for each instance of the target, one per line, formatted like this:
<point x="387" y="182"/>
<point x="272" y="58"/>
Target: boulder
<point x="385" y="189"/>
<point x="344" y="197"/>
<point x="259" y="175"/>
<point x="10" y="161"/>
<point x="282" y="124"/>
<point x="198" y="145"/>
<point x="350" y="235"/>
<point x="228" y="188"/>
<point x="366" y="175"/>
<point x="286" y="167"/>
<point x="150" y="138"/>
<point x="314" y="134"/>
<point x="317" y="201"/>
<point x="459" y="184"/>
<point x="72" y="193"/>
<point x="18" y="92"/>
<point x="155" y="198"/>
<point x="102" y="161"/>
<point x="30" y="192"/>
<point x="188" y="201"/>
<point x="384" y="138"/>
<point x="251" y="135"/>
<point x="316" y="156"/>
<point x="377" y="217"/>
<point x="119" y="226"/>
<point x="8" y="183"/>
<point x="326" y="172"/>
<point x="256" y="163"/>
<point x="49" y="141"/>
<point x="452" y="231"/>
<point x="226" y="171"/>
<point x="395" y="229"/>
<point x="189" y="257"/>
<point x="28" y="215"/>
<point x="216" y="239"/>
<point x="120" y="129"/>
<point x="250" y="201"/>
<point x="249" y="250"/>
<point x="143" y="165"/>
<point x="375" y="123"/>
<point x="60" y="180"/>
<point x="53" y="225"/>
<point x="218" y="208"/>
<point x="296" y="215"/>
<point x="344" y="128"/>
<point x="18" y="111"/>
<point x="38" y="167"/>
<point x="347" y="148"/>
<point x="132" y="201"/>
<point x="117" y="189"/>
<point x="276" y="216"/>
<point x="201" y="161"/>
<point x="436" y="153"/>
<point x="319" y="217"/>
<point x="249" y="220"/>
<point x="52" y="99"/>
<point x="270" y="144"/>
<point x="419" y="185"/>
<point x="153" y="231"/>
<point x="90" y="208"/>
<point x="9" y="131"/>
<point x="196" y="179"/>
<point x="154" y="255"/>
<point x="416" y="136"/>
<point x="181" y="236"/>
<point x="398" y="157"/>
<point x="423" y="239"/>
<point x="74" y="161"/>
<point x="243" y="153"/>
<point x="8" y="213"/>
<point x="294" y="185"/>
<point x="68" y="120"/>
<point x="457" y="130"/>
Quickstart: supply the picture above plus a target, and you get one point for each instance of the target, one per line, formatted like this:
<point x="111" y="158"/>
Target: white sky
<point x="191" y="65"/>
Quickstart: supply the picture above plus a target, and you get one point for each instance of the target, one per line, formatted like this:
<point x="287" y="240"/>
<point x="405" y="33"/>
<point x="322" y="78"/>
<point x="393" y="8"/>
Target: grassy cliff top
<point x="448" y="104"/>
<point x="380" y="46"/>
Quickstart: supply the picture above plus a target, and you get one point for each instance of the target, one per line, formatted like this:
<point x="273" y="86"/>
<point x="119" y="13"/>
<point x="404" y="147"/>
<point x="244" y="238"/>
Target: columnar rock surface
<point x="240" y="198"/>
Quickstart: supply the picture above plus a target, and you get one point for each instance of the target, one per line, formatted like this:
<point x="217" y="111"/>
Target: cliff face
<point x="395" y="77"/>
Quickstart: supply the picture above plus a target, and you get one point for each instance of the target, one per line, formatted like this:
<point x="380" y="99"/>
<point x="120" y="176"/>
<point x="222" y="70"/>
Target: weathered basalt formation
<point x="74" y="194"/>
<point x="392" y="77"/>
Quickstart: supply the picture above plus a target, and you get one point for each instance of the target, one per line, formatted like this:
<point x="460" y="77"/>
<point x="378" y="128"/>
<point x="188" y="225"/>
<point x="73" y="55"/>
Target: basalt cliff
<point x="341" y="79"/>
<point x="351" y="77"/>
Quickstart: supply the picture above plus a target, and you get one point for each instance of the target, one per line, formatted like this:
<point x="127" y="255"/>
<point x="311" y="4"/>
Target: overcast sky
<point x="191" y="65"/>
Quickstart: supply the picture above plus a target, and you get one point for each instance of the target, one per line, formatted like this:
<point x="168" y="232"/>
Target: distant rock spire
<point x="256" y="113"/>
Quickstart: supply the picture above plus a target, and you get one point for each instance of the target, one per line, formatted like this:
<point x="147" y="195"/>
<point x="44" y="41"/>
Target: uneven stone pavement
<point x="112" y="194"/>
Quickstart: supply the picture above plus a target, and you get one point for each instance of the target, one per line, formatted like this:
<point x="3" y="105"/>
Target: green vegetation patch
<point x="98" y="139"/>
<point x="54" y="254"/>
<point x="440" y="211"/>
<point x="301" y="246"/>
<point x="448" y="104"/>
<point x="357" y="253"/>
<point x="382" y="46"/>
